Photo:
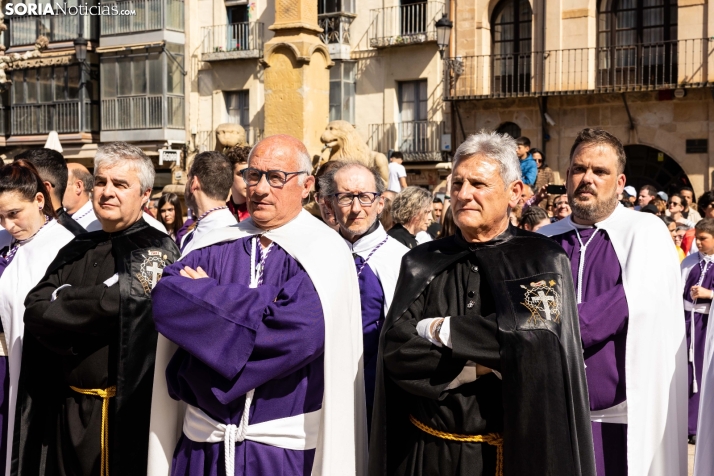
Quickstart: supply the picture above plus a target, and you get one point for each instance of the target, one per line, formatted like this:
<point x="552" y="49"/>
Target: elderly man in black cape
<point x="481" y="369"/>
<point x="85" y="387"/>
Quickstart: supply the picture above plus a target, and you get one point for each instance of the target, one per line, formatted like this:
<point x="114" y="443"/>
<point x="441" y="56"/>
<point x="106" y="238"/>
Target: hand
<point x="197" y="273"/>
<point x="699" y="292"/>
<point x="482" y="370"/>
<point x="542" y="194"/>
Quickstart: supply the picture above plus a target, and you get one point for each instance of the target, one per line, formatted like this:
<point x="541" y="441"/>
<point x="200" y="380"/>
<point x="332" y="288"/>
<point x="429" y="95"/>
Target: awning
<point x="135" y="46"/>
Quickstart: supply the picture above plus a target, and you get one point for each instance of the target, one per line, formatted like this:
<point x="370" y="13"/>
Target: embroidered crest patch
<point x="150" y="269"/>
<point x="542" y="300"/>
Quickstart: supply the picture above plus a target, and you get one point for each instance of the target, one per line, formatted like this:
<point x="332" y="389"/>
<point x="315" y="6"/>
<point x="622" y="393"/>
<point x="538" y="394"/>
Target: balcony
<point x="150" y="15"/>
<point x="405" y="24"/>
<point x="63" y="117"/>
<point x="665" y="65"/>
<point x="24" y="30"/>
<point x="233" y="41"/>
<point x="419" y="141"/>
<point x="143" y="112"/>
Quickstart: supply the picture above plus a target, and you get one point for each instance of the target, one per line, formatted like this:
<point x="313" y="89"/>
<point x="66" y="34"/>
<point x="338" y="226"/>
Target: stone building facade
<point x="641" y="69"/>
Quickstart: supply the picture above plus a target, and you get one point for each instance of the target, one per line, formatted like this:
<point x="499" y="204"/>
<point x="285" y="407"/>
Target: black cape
<point x="41" y="386"/>
<point x="66" y="220"/>
<point x="546" y="417"/>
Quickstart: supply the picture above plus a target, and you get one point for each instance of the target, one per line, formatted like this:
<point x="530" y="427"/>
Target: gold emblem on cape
<point x="542" y="300"/>
<point x="151" y="270"/>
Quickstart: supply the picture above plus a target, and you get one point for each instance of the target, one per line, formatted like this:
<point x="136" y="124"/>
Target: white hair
<point x="121" y="153"/>
<point x="499" y="147"/>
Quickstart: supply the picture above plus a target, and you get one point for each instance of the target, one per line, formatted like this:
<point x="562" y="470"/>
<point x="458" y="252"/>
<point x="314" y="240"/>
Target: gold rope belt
<point x="493" y="439"/>
<point x="105" y="395"/>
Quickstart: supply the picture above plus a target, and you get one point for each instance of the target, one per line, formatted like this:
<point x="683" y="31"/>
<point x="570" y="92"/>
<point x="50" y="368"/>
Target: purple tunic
<point x="234" y="339"/>
<point x="700" y="334"/>
<point x="603" y="327"/>
<point x="372" y="300"/>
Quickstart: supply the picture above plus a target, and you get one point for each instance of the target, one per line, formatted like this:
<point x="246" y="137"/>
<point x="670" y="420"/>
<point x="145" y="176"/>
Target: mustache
<point x="585" y="188"/>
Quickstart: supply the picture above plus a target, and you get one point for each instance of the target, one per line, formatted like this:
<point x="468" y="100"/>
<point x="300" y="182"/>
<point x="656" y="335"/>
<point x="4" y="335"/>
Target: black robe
<point x="91" y="336"/>
<point x="66" y="220"/>
<point x="541" y="405"/>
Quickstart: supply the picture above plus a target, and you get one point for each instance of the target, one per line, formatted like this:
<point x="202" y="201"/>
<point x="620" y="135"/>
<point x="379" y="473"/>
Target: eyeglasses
<point x="674" y="203"/>
<point x="366" y="199"/>
<point x="276" y="178"/>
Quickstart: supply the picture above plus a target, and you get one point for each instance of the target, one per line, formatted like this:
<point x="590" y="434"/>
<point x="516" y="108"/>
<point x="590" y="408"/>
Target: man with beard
<point x="353" y="193"/>
<point x="632" y="334"/>
<point x="84" y="395"/>
<point x="480" y="368"/>
<point x="207" y="186"/>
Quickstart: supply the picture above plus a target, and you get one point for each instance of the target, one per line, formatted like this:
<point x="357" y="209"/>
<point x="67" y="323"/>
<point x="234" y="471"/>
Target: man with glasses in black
<point x="354" y="193"/>
<point x="267" y="321"/>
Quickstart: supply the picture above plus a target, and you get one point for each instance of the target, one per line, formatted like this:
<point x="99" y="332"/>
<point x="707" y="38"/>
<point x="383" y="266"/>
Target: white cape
<point x="385" y="262"/>
<point x="86" y="217"/>
<point x="25" y="271"/>
<point x="656" y="359"/>
<point x="342" y="443"/>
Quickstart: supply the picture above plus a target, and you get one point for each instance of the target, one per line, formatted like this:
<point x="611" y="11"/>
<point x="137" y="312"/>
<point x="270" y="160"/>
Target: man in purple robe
<point x="633" y="346"/>
<point x="354" y="194"/>
<point x="266" y="324"/>
<point x="698" y="277"/>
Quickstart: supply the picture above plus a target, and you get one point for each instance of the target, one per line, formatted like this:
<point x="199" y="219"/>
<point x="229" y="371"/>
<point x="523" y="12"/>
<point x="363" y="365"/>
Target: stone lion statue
<point x="228" y="136"/>
<point x="343" y="142"/>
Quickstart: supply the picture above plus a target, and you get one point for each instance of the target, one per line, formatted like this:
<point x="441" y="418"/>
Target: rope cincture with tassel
<point x="493" y="439"/>
<point x="105" y="395"/>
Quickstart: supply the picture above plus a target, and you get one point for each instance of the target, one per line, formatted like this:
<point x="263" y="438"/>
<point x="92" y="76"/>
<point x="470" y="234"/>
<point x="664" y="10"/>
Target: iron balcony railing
<point x="63" y="117"/>
<point x="664" y="65"/>
<point x="417" y="140"/>
<point x="405" y="24"/>
<point x="24" y="30"/>
<point x="149" y="15"/>
<point x="219" y="40"/>
<point x="336" y="27"/>
<point x="143" y="112"/>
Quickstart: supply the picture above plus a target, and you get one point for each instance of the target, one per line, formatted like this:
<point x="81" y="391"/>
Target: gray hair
<point x="328" y="186"/>
<point x="499" y="147"/>
<point x="85" y="177"/>
<point x="410" y="203"/>
<point x="120" y="153"/>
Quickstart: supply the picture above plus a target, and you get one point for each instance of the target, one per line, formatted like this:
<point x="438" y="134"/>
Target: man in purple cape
<point x="267" y="374"/>
<point x="632" y="340"/>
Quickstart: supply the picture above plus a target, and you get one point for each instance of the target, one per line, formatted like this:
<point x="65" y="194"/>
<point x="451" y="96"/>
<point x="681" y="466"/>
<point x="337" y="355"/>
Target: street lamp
<point x="443" y="33"/>
<point x="80" y="48"/>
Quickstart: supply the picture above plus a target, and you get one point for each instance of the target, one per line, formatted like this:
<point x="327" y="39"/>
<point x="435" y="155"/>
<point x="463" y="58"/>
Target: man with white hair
<point x="632" y="333"/>
<point x="85" y="391"/>
<point x="266" y="317"/>
<point x="481" y="369"/>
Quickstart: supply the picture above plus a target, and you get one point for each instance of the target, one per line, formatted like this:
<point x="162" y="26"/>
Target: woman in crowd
<point x="545" y="174"/>
<point x="533" y="218"/>
<point x="386" y="216"/>
<point x="411" y="212"/>
<point x="676" y="237"/>
<point x="171" y="214"/>
<point x="29" y="241"/>
<point x="448" y="227"/>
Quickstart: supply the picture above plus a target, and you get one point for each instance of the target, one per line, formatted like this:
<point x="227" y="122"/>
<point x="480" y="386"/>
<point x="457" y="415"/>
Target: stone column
<point x="297" y="81"/>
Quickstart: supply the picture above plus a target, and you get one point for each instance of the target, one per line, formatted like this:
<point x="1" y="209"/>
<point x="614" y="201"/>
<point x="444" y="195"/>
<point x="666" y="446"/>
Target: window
<point x="143" y="74"/>
<point x="509" y="128"/>
<point x="238" y="107"/>
<point x="637" y="42"/>
<point x="45" y="85"/>
<point x="342" y="91"/>
<point x="237" y="14"/>
<point x="174" y="63"/>
<point x="413" y="109"/>
<point x="335" y="6"/>
<point x="413" y="17"/>
<point x="512" y="34"/>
